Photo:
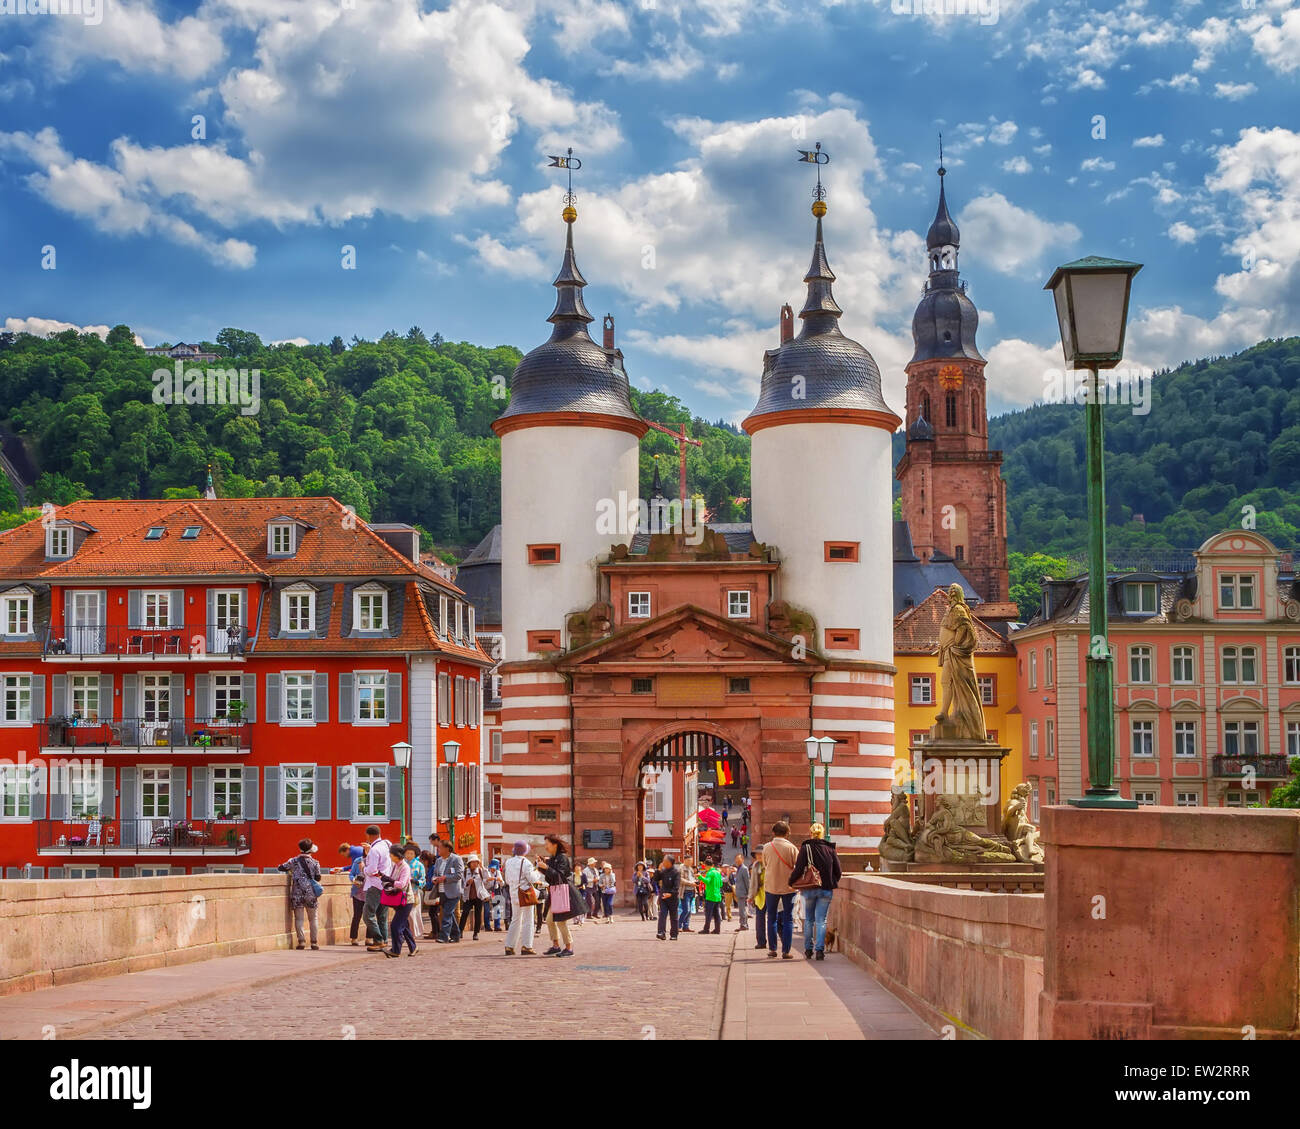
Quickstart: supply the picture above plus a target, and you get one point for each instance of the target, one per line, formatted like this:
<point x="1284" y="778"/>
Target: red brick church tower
<point x="953" y="496"/>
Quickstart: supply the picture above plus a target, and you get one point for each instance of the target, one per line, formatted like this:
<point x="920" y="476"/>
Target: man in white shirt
<point x="377" y="864"/>
<point x="518" y="872"/>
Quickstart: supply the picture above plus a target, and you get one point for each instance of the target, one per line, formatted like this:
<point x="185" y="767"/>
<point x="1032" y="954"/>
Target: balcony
<point x="202" y="642"/>
<point x="228" y="837"/>
<point x="1270" y="766"/>
<point x="136" y="735"/>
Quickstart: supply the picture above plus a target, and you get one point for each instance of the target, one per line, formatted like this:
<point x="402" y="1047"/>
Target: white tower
<point x="821" y="478"/>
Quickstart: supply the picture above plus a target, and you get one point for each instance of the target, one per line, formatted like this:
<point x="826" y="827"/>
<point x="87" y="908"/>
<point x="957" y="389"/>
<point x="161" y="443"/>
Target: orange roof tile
<point x="916" y="629"/>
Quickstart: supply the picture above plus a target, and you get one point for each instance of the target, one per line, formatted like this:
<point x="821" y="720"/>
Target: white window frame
<point x="469" y="627"/>
<point x="1183" y="660"/>
<point x="1239" y="656"/>
<point x="156" y="698"/>
<point x="304" y="682"/>
<point x="291" y="596"/>
<point x="364" y="616"/>
<point x="1146" y="798"/>
<point x="638" y="605"/>
<point x="1185" y="735"/>
<point x="1141" y="665"/>
<point x="303" y="774"/>
<point x="377" y="775"/>
<point x="444" y="622"/>
<point x="58" y="542"/>
<point x="232" y="686"/>
<point x="155" y="609"/>
<point x="160" y="776"/>
<point x="1187" y="799"/>
<point x="460" y="620"/>
<point x="1291" y="665"/>
<point x="279" y="539"/>
<point x="1293" y="738"/>
<point x="368" y="677"/>
<point x="1143" y="588"/>
<point x="84" y="685"/>
<point x="738" y="602"/>
<point x="920" y="690"/>
<point x="495" y="754"/>
<point x="16" y="606"/>
<point x="16" y="792"/>
<point x="1033" y="670"/>
<point x="1142" y="738"/>
<point x="1245" y="732"/>
<point x="458" y="702"/>
<point x="444" y="698"/>
<point x="20" y="685"/>
<point x="84" y="873"/>
<point x="1233" y="586"/>
<point x="1033" y="740"/>
<point x="83" y="784"/>
<point x="1049" y="739"/>
<point x="232" y="775"/>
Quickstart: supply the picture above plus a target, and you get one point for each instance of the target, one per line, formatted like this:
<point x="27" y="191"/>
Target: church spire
<point x="943" y="233"/>
<point x="210" y="492"/>
<point x="569" y="315"/>
<point x="820" y="310"/>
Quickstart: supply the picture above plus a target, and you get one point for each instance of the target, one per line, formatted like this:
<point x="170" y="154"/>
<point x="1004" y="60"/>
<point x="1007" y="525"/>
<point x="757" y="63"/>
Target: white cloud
<point x="1153" y="141"/>
<point x="292" y="341"/>
<point x="1181" y="233"/>
<point x="1018" y="371"/>
<point x="1010" y="237"/>
<point x="136" y="38"/>
<point x="519" y="262"/>
<point x="1096" y="164"/>
<point x="1017" y="165"/>
<point x="44" y="327"/>
<point x="1234" y="91"/>
<point x="1279" y="44"/>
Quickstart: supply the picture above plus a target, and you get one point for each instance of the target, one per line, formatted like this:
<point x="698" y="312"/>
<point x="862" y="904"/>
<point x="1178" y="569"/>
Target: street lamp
<point x="827" y="755"/>
<point x="1092" y="296"/>
<point x="450" y="751"/>
<point x="402" y="759"/>
<point x="813" y="746"/>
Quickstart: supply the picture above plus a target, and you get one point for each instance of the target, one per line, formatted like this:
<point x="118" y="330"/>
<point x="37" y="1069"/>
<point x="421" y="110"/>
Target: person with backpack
<point x="816" y="875"/>
<point x="304" y="890"/>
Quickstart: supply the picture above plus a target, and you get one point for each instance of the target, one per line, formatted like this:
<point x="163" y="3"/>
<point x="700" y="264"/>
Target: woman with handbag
<point x="477" y="894"/>
<point x="815" y="876"/>
<point x="644" y="887"/>
<point x="608" y="888"/>
<point x="562" y="897"/>
<point x="758" y="899"/>
<point x="519" y="874"/>
<point x="397" y="896"/>
<point x="304" y="889"/>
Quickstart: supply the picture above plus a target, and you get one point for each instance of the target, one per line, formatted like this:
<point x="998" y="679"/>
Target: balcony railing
<point x="1269" y="766"/>
<point x="136" y="734"/>
<point x="144" y="836"/>
<point x="192" y="641"/>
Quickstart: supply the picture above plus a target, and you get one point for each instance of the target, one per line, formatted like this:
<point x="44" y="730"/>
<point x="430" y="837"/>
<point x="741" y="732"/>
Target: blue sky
<point x="418" y="134"/>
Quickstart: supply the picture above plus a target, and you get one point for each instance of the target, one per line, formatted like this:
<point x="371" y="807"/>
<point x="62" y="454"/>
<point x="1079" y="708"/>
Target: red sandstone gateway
<point x="192" y="686"/>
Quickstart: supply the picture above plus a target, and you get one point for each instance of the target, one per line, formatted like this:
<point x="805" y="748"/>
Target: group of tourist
<point x="394" y="884"/>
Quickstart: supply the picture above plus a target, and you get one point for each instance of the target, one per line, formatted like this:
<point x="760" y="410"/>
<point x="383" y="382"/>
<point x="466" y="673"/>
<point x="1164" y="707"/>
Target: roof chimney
<point x="609" y="331"/>
<point x="787" y="323"/>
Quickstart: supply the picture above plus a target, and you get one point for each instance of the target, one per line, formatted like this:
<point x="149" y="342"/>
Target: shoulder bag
<point x="527" y="893"/>
<point x="811" y="878"/>
<point x="316" y="888"/>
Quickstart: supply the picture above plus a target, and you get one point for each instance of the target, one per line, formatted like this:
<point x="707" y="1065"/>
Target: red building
<point x="193" y="686"/>
<point x="1207" y="679"/>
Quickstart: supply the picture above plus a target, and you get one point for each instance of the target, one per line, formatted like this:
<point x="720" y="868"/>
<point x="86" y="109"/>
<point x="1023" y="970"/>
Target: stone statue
<point x="943" y="839"/>
<point x="1022" y="836"/>
<point x="896" y="843"/>
<point x="960" y="706"/>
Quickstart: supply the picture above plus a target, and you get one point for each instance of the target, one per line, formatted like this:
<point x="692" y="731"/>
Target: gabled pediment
<point x="689" y="635"/>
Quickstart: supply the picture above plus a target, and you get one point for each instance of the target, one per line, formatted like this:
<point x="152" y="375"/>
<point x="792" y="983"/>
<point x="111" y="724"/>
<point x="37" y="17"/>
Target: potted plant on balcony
<point x="234" y="716"/>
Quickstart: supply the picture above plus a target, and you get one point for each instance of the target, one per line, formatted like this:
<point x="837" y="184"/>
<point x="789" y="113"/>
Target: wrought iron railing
<point x="122" y="836"/>
<point x="1268" y="766"/>
<point x="144" y="734"/>
<point x="185" y="642"/>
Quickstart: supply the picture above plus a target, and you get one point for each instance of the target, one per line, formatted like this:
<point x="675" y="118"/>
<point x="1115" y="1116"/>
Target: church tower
<point x="953" y="496"/>
<point x="820" y="473"/>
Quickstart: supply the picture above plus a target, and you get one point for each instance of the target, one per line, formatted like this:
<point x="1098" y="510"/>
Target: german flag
<point x="726" y="776"/>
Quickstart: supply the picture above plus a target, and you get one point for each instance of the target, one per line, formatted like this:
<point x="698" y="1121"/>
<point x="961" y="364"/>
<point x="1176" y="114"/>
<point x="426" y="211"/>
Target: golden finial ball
<point x="819" y="208"/>
<point x="570" y="214"/>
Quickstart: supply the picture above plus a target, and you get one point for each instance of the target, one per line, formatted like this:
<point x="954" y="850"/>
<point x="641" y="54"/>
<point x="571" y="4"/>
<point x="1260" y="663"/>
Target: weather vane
<point x="569" y="162"/>
<point x="942" y="170"/>
<point x="817" y="157"/>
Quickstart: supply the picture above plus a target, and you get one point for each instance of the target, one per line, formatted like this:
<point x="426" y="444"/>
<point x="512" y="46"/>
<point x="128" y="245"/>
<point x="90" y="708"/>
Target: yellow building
<point x="916" y="685"/>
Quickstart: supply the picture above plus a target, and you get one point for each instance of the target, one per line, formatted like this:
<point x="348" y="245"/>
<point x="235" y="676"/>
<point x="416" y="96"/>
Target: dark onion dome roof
<point x="838" y="374"/>
<point x="943" y="232"/>
<point x="945" y="321"/>
<point x="570" y="373"/>
<point x="920" y="430"/>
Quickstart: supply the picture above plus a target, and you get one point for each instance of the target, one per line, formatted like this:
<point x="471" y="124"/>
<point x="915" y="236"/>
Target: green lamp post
<point x="812" y="745"/>
<point x="450" y="753"/>
<point x="1092" y="296"/>
<point x="827" y="754"/>
<point x="402" y="759"/>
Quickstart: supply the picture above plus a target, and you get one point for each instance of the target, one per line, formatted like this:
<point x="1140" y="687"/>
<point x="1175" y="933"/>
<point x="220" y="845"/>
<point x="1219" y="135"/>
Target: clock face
<point x="950" y="377"/>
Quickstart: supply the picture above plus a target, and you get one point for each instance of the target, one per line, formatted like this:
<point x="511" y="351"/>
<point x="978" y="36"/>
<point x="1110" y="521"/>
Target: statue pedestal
<point x="968" y="772"/>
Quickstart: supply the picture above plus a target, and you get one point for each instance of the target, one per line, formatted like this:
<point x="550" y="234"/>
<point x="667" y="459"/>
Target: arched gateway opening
<point x="693" y="785"/>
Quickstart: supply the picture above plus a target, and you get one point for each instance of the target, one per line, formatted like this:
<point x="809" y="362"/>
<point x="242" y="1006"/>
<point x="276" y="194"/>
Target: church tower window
<point x="950" y="409"/>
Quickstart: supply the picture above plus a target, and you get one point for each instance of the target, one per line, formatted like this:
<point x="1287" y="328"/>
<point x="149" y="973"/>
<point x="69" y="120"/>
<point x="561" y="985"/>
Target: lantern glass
<point x="402" y="754"/>
<point x="450" y="751"/>
<point x="827" y="749"/>
<point x="1092" y="297"/>
<point x="811" y="744"/>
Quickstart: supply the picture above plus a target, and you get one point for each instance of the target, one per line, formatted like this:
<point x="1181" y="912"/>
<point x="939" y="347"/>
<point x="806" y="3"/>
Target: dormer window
<point x="460" y="620"/>
<point x="442" y="616"/>
<point x="1237" y="592"/>
<point x="58" y="541"/>
<point x="279" y="539"/>
<point x="1140" y="599"/>
<point x="298" y="609"/>
<point x="370" y="608"/>
<point x="469" y="611"/>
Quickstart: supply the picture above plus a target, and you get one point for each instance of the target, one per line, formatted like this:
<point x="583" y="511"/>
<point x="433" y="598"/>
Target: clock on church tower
<point x="950" y="378"/>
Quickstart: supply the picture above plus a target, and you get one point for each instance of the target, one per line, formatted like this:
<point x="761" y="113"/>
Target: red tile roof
<point x="916" y="629"/>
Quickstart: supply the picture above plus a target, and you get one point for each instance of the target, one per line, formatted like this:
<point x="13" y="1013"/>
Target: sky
<point x="181" y="168"/>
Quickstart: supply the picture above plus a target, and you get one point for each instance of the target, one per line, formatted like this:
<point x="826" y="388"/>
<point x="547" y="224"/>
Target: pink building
<point x="1207" y="679"/>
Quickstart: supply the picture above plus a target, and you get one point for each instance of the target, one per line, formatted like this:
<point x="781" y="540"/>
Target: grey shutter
<point x="393" y="795"/>
<point x="55" y="872"/>
<point x="58" y="785"/>
<point x="324" y="597"/>
<point x="130" y="805"/>
<point x="176" y="703"/>
<point x="60" y="703"/>
<point x="394" y="695"/>
<point x="203" y="697"/>
<point x="444" y="803"/>
<point x="108" y="793"/>
<point x="178" y="805"/>
<point x="273" y="697"/>
<point x="176" y="614"/>
<point x="103" y="609"/>
<point x="126" y="872"/>
<point x="248" y="695"/>
<point x="131" y="696"/>
<point x="271" y="798"/>
<point x="321" y="794"/>
<point x="39" y="788"/>
<point x="107" y="707"/>
<point x="210" y="630"/>
<point x="250" y="810"/>
<point x="347" y="711"/>
<point x="346" y="797"/>
<point x="199" y="798"/>
<point x="133" y="617"/>
<point x="38" y="697"/>
<point x="321" y="693"/>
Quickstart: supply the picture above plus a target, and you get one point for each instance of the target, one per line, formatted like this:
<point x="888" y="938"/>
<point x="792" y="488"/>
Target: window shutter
<point x="346" y="796"/>
<point x="199" y="799"/>
<point x="250" y="808"/>
<point x="58" y="785"/>
<point x="203" y="697"/>
<point x="55" y="872"/>
<point x="130" y="708"/>
<point x="129" y="806"/>
<point x="133" y="616"/>
<point x="272" y="699"/>
<point x="444" y="700"/>
<point x="176" y="614"/>
<point x="248" y="695"/>
<point x="322" y="795"/>
<point x="393" y="705"/>
<point x="210" y="619"/>
<point x="178" y="805"/>
<point x="394" y="795"/>
<point x="108" y="793"/>
<point x="347" y="712"/>
<point x="107" y="707"/>
<point x="176" y="707"/>
<point x="321" y="695"/>
<point x="457" y="703"/>
<point x="60" y="702"/>
<point x="271" y="804"/>
<point x="38" y="697"/>
<point x="126" y="872"/>
<point x="40" y="788"/>
<point x="443" y="801"/>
